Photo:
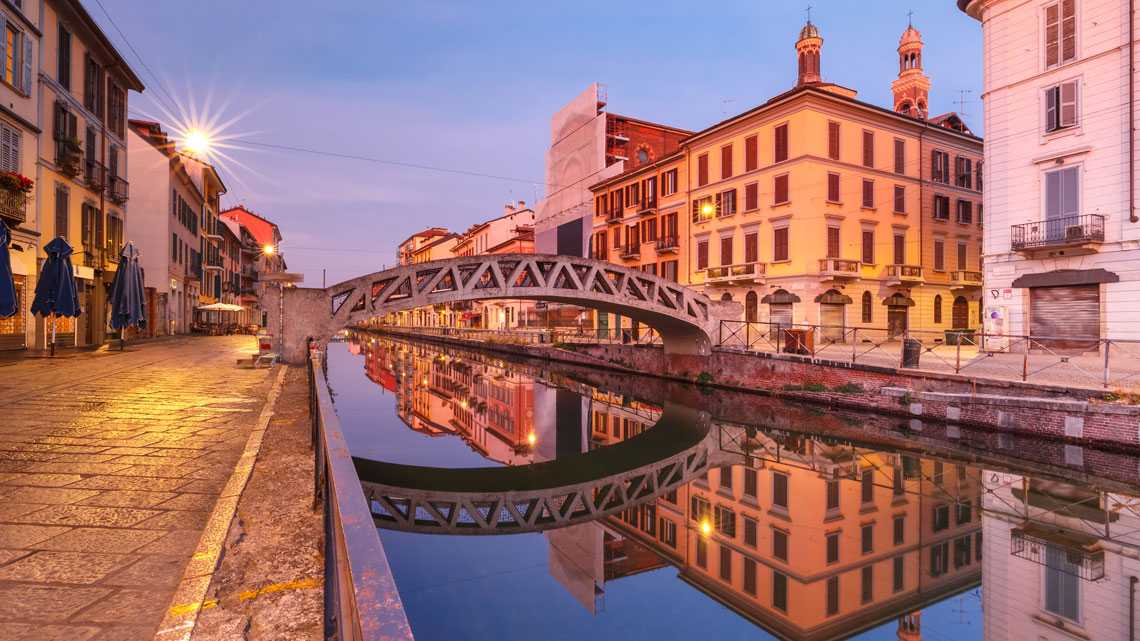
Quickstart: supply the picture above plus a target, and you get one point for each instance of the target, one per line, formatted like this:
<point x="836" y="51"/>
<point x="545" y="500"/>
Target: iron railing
<point x="1058" y="232"/>
<point x="118" y="189"/>
<point x="96" y="174"/>
<point x="668" y="243"/>
<point x="13" y="205"/>
<point x="631" y="251"/>
<point x="361" y="599"/>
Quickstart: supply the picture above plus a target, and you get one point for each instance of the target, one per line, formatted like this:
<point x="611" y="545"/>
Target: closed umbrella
<point x="56" y="294"/>
<point x="8" y="303"/>
<point x="128" y="307"/>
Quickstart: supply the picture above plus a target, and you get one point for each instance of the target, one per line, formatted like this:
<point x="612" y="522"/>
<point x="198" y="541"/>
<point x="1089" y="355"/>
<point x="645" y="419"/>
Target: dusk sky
<point x="471" y="86"/>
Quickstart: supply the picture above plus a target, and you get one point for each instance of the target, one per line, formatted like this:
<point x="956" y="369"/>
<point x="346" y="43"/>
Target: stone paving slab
<point x="111" y="463"/>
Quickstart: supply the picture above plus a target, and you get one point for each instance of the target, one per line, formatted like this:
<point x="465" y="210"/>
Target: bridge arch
<point x="686" y="319"/>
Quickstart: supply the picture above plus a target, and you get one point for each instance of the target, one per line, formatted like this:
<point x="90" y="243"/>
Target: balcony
<point x="904" y="275"/>
<point x="96" y="174"/>
<point x="740" y="273"/>
<point x="68" y="154"/>
<point x="118" y="190"/>
<point x="838" y="268"/>
<point x="214" y="264"/>
<point x="668" y="245"/>
<point x="613" y="215"/>
<point x="963" y="278"/>
<point x="1080" y="234"/>
<point x="13" y="206"/>
<point x="631" y="251"/>
<point x="648" y="208"/>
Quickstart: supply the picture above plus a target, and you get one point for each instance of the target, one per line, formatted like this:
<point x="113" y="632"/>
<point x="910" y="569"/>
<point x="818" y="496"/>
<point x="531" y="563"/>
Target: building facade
<point x="1061" y="238"/>
<point x="510" y="233"/>
<point x="261" y="255"/>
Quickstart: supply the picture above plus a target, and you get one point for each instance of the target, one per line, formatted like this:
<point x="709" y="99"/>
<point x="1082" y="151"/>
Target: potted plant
<point x="15" y="183"/>
<point x="70" y="151"/>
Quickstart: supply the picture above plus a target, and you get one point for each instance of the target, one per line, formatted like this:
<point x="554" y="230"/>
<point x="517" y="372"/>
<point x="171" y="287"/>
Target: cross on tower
<point x="910" y="18"/>
<point x="808" y="12"/>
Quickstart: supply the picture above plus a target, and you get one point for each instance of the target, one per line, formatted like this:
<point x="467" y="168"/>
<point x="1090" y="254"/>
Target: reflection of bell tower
<point x="910" y="626"/>
<point x="912" y="88"/>
<point x="808" y="51"/>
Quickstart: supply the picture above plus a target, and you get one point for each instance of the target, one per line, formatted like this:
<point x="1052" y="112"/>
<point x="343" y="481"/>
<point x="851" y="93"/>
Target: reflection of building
<point x="1059" y="559"/>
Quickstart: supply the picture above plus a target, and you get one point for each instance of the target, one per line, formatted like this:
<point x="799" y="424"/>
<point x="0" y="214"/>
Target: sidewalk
<point x="111" y="464"/>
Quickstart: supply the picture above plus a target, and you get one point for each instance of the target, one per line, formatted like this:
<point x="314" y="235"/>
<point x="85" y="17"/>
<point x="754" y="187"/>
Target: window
<point x="899" y="574"/>
<point x="869" y="193"/>
<point x="1062" y="193"/>
<point x="937" y="298"/>
<point x="965" y="212"/>
<point x="699" y="509"/>
<point x="832" y="495"/>
<point x="832" y="188"/>
<point x="726" y="203"/>
<point x="962" y="552"/>
<point x="940" y="167"/>
<point x="725" y="563"/>
<point x="749" y="531"/>
<point x="726" y="250"/>
<point x="939" y="559"/>
<point x="702" y="553"/>
<point x="941" y="207"/>
<point x="978" y="180"/>
<point x="833" y="140"/>
<point x="833" y="242"/>
<point x="88" y="216"/>
<point x="961" y="255"/>
<point x="17" y="59"/>
<point x="702" y="254"/>
<point x="867" y="308"/>
<point x="900" y="199"/>
<point x="600" y="205"/>
<point x="939" y="473"/>
<point x="833" y="595"/>
<point x="868" y="247"/>
<point x="1060" y="33"/>
<point x="669" y="270"/>
<point x="868" y="149"/>
<point x="63" y="73"/>
<point x="751" y="196"/>
<point x="964" y="513"/>
<point x="780" y="189"/>
<point x="749" y="473"/>
<point x="780" y="591"/>
<point x="632" y="194"/>
<point x="93" y="87"/>
<point x="1061" y="106"/>
<point x="900" y="156"/>
<point x="939" y="255"/>
<point x="10" y="140"/>
<point x="669" y="183"/>
<point x="726" y="162"/>
<point x="751" y="153"/>
<point x="867" y="583"/>
<point x="61" y="211"/>
<point x="780" y="545"/>
<point x="779" y="491"/>
<point x="897" y="486"/>
<point x="617" y="237"/>
<point x="867" y="485"/>
<point x="750" y="576"/>
<point x="702" y="170"/>
<point x="1062" y="585"/>
<point x="900" y="249"/>
<point x="703" y="209"/>
<point x="867" y="538"/>
<point x="117" y="110"/>
<point x="667" y="532"/>
<point x="781" y="143"/>
<point x="963" y="172"/>
<point x="780" y="244"/>
<point x="941" y="517"/>
<point x="899" y="530"/>
<point x="833" y="547"/>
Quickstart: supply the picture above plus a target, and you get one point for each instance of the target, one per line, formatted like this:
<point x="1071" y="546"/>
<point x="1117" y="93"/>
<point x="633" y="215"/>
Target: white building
<point x="1062" y="235"/>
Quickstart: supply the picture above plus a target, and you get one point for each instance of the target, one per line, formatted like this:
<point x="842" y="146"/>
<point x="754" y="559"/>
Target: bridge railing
<point x="644" y="335"/>
<point x="361" y="600"/>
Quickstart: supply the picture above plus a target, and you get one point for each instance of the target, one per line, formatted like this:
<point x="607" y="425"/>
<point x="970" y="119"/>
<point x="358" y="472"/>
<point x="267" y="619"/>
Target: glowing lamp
<point x="706" y="527"/>
<point x="707" y="209"/>
<point x="268" y="250"/>
<point x="531" y="439"/>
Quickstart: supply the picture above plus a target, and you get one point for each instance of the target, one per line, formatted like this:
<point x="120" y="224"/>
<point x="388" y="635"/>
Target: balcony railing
<point x="839" y="268"/>
<point x="68" y="154"/>
<point x="13" y="205"/>
<point x="1058" y="232"/>
<point x="741" y="272"/>
<point x="96" y="174"/>
<point x="647" y="208"/>
<point x="900" y="274"/>
<point x="613" y="215"/>
<point x="214" y="264"/>
<point x="667" y="244"/>
<point x="631" y="251"/>
<point x="966" y="278"/>
<point x="118" y="190"/>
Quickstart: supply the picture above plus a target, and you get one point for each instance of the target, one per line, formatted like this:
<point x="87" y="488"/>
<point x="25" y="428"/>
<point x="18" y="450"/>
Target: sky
<point x="471" y="86"/>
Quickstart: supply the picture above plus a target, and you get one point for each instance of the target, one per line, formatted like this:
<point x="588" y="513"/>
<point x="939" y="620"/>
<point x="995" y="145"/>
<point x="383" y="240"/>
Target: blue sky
<point x="472" y="86"/>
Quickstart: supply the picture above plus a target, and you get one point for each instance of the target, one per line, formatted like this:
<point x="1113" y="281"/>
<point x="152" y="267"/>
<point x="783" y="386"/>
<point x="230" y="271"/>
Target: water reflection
<point x="810" y="525"/>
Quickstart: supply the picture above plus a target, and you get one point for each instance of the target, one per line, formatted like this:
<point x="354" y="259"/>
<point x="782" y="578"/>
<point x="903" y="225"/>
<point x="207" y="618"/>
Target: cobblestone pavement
<point x="110" y="466"/>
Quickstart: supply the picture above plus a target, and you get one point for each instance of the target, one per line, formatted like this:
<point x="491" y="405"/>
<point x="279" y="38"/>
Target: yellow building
<point x="818" y="208"/>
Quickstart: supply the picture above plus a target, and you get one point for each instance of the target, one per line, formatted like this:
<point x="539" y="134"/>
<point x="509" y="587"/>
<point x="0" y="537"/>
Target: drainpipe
<point x="1132" y="592"/>
<point x="1132" y="217"/>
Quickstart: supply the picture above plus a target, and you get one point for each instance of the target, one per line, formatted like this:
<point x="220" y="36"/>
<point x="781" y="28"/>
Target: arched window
<point x="726" y="297"/>
<point x="866" y="305"/>
<point x="938" y="309"/>
<point x="750" y="307"/>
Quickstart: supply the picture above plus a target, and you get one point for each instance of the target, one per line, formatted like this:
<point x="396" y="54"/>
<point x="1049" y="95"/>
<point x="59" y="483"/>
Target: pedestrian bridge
<point x="685" y="318"/>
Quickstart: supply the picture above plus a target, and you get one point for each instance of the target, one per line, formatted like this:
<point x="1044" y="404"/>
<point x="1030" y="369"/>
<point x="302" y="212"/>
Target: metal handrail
<point x="1055" y="232"/>
<point x="362" y="602"/>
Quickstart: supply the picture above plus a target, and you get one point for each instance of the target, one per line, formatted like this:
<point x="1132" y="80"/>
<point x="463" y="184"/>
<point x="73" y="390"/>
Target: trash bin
<point x="799" y="341"/>
<point x="912" y="349"/>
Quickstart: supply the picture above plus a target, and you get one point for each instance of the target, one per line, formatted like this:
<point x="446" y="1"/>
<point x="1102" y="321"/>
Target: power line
<point x="174" y="103"/>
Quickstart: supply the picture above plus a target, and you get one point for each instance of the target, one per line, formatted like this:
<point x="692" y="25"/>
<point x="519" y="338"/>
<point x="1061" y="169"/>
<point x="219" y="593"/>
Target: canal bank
<point x="1074" y="415"/>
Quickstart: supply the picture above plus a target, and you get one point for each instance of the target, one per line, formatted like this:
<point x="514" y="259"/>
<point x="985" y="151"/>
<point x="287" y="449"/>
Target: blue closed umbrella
<point x="56" y="294"/>
<point x="128" y="306"/>
<point x="8" y="303"/>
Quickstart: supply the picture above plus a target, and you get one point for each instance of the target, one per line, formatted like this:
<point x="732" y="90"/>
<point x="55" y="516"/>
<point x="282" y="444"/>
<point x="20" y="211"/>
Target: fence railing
<point x="643" y="335"/>
<point x="361" y="600"/>
<point x="1057" y="360"/>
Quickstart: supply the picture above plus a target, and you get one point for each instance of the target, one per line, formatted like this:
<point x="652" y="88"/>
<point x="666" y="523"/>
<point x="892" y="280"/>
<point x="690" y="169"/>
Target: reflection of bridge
<point x="685" y="318"/>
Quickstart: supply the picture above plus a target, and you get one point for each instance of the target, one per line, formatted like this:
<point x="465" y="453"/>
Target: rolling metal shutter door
<point x="1065" y="317"/>
<point x="781" y="314"/>
<point x="831" y="318"/>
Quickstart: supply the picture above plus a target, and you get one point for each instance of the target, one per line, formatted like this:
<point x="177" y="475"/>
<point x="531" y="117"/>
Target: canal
<point x="738" y="515"/>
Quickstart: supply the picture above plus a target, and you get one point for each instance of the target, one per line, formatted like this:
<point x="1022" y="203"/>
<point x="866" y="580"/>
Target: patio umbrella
<point x="8" y="303"/>
<point x="128" y="305"/>
<point x="56" y="294"/>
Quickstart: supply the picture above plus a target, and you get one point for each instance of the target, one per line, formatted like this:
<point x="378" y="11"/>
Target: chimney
<point x="521" y="204"/>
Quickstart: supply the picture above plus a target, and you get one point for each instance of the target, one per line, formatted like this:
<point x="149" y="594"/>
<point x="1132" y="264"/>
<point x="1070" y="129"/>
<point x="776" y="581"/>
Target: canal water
<point x="777" y="520"/>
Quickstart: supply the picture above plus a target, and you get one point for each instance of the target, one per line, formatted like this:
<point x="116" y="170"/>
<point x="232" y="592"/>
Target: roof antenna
<point x="962" y="100"/>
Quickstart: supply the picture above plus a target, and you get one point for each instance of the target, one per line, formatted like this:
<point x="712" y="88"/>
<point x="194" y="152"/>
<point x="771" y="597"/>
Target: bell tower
<point x="807" y="51"/>
<point x="912" y="88"/>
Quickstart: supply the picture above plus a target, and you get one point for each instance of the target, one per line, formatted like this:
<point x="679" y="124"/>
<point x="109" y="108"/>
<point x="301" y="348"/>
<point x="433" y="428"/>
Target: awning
<point x="899" y="300"/>
<point x="1066" y="277"/>
<point x="833" y="297"/>
<point x="780" y="297"/>
<point x="220" y="307"/>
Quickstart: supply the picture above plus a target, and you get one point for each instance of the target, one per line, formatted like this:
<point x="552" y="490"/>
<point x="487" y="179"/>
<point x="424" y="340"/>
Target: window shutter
<point x="833" y="187"/>
<point x="751" y="153"/>
<point x="833" y="242"/>
<point x="703" y="170"/>
<point x="781" y="151"/>
<point x="869" y="247"/>
<point x="718" y="204"/>
<point x="4" y="40"/>
<point x="781" y="189"/>
<point x="751" y="248"/>
<point x="900" y="249"/>
<point x="61" y="211"/>
<point x="1068" y="30"/>
<point x="900" y="198"/>
<point x="900" y="157"/>
<point x="939" y="255"/>
<point x="1068" y="104"/>
<point x="1052" y="98"/>
<point x="26" y="75"/>
<point x="833" y="140"/>
<point x="868" y="193"/>
<point x="703" y="254"/>
<point x="726" y="250"/>
<point x="13" y="150"/>
<point x="868" y="149"/>
<point x="935" y="174"/>
<point x="726" y="162"/>
<point x="961" y="256"/>
<point x="1052" y="35"/>
<point x="751" y="196"/>
<point x="696" y="210"/>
